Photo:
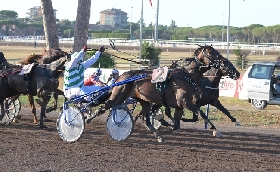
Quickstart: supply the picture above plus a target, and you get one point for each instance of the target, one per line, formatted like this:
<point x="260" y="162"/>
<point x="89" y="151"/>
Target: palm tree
<point x="49" y="25"/>
<point x="82" y="25"/>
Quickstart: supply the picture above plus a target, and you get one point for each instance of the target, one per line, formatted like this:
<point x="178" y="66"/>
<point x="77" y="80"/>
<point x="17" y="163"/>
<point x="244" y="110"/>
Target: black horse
<point x="37" y="82"/>
<point x="207" y="91"/>
<point x="54" y="59"/>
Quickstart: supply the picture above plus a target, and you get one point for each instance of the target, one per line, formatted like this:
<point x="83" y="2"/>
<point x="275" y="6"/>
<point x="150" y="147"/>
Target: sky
<point x="185" y="13"/>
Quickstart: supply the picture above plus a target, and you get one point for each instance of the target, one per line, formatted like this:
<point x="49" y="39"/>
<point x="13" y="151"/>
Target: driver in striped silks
<point x="74" y="74"/>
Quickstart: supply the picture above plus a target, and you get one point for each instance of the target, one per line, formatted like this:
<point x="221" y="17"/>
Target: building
<point x="113" y="17"/>
<point x="36" y="12"/>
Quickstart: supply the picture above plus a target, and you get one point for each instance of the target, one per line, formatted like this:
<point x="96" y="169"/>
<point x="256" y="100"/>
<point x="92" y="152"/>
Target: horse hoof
<point x="161" y="140"/>
<point x="18" y="116"/>
<point x="15" y="120"/>
<point x="43" y="127"/>
<point x="48" y="110"/>
<point x="237" y="124"/>
<point x="217" y="133"/>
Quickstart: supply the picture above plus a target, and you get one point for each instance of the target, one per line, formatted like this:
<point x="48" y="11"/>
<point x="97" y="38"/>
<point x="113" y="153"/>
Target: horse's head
<point x="206" y="55"/>
<point x="227" y="68"/>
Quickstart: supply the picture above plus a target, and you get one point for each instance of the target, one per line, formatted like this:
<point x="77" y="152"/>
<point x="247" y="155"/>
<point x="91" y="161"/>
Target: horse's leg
<point x="32" y="106"/>
<point x="61" y="93"/>
<point x="177" y="116"/>
<point x="190" y="106"/>
<point x="55" y="97"/>
<point x="14" y="98"/>
<point x="43" y="111"/>
<point x="162" y="121"/>
<point x="2" y="110"/>
<point x="219" y="106"/>
<point x="194" y="118"/>
<point x="146" y="109"/>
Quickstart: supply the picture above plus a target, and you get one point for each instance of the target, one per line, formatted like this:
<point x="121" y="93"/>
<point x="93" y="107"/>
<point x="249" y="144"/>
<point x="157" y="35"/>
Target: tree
<point x="49" y="23"/>
<point x="65" y="22"/>
<point x="8" y="15"/>
<point x="82" y="25"/>
<point x="104" y="61"/>
<point x="150" y="52"/>
<point x="241" y="60"/>
<point x="173" y="24"/>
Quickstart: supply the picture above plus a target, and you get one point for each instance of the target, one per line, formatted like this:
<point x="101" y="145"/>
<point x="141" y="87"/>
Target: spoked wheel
<point x="120" y="123"/>
<point x="70" y="124"/>
<point x="10" y="111"/>
<point x="155" y="117"/>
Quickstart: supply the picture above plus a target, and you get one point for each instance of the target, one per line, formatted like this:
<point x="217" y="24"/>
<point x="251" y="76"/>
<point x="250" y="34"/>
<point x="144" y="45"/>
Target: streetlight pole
<point x="130" y="22"/>
<point x="156" y="25"/>
<point x="223" y="29"/>
<point x="228" y="37"/>
<point x="141" y="25"/>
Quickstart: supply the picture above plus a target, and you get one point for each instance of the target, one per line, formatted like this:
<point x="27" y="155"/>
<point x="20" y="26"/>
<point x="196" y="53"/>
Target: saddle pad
<point x="159" y="74"/>
<point x="26" y="69"/>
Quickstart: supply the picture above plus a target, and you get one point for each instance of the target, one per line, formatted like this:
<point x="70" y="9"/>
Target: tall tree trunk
<point x="82" y="24"/>
<point x="49" y="23"/>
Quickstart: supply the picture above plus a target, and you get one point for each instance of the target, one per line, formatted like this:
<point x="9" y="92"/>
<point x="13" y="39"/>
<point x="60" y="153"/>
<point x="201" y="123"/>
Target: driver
<point x="74" y="74"/>
<point x="94" y="79"/>
<point x="113" y="77"/>
<point x="276" y="82"/>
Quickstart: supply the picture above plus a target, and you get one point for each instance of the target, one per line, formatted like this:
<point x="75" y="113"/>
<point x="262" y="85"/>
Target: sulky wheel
<point x="10" y="111"/>
<point x="70" y="124"/>
<point x="120" y="123"/>
<point x="155" y="117"/>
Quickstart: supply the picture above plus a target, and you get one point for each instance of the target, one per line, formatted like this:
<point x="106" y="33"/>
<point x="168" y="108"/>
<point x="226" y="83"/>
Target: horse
<point x="53" y="59"/>
<point x="179" y="88"/>
<point x="207" y="90"/>
<point x="37" y="81"/>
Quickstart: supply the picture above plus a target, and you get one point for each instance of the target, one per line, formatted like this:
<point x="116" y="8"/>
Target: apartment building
<point x="113" y="17"/>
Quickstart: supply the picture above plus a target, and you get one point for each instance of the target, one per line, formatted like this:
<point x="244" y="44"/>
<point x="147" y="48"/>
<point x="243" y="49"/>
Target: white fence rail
<point x="165" y="43"/>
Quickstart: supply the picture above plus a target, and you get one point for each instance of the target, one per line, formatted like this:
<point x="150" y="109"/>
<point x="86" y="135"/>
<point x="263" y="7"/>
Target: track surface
<point x="24" y="147"/>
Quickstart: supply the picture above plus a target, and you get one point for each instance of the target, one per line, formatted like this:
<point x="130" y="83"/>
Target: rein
<point x="117" y="56"/>
<point x="10" y="73"/>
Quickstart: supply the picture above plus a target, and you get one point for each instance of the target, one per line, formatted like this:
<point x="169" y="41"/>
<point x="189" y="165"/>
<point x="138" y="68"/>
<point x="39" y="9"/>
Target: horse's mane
<point x="46" y="57"/>
<point x="201" y="47"/>
<point x="52" y="55"/>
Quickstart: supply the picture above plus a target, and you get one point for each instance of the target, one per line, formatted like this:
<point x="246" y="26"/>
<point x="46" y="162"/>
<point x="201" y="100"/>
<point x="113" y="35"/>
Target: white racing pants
<point x="77" y="91"/>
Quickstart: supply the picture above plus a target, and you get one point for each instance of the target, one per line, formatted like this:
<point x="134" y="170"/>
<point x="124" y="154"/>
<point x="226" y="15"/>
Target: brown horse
<point x="54" y="60"/>
<point x="207" y="90"/>
<point x="178" y="92"/>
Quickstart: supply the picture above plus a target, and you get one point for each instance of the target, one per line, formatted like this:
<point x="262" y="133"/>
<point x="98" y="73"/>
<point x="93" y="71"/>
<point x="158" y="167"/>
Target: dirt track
<point x="26" y="148"/>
